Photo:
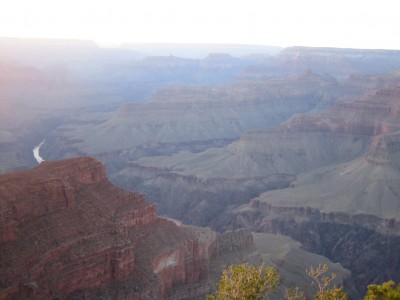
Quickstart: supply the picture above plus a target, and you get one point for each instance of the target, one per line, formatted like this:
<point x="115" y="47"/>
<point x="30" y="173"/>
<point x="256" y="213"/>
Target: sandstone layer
<point x="67" y="232"/>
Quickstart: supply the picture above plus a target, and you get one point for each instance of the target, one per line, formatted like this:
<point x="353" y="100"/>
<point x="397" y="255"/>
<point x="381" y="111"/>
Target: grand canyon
<point x="161" y="170"/>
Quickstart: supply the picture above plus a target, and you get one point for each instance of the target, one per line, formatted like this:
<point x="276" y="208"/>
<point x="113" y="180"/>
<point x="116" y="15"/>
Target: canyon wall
<point x="67" y="232"/>
<point x="191" y="199"/>
<point x="180" y="116"/>
<point x="365" y="244"/>
<point x="330" y="180"/>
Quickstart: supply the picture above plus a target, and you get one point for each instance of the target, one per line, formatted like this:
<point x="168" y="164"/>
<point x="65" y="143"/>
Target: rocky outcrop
<point x="353" y="136"/>
<point x="348" y="212"/>
<point x="342" y="173"/>
<point x="47" y="189"/>
<point x="67" y="232"/>
<point x="58" y="237"/>
<point x="346" y="160"/>
<point x="195" y="200"/>
<point x="365" y="244"/>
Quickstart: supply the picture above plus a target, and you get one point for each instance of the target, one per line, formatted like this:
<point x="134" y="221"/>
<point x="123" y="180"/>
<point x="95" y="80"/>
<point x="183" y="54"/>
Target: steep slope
<point x="184" y="117"/>
<point x="269" y="159"/>
<point x="348" y="212"/>
<point x="292" y="261"/>
<point x="365" y="244"/>
<point x="365" y="185"/>
<point x="67" y="232"/>
<point x="337" y="193"/>
<point x="354" y="187"/>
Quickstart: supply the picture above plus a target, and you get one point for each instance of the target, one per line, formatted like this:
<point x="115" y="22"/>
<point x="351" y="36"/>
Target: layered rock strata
<point x="180" y="115"/>
<point x="365" y="244"/>
<point x="67" y="232"/>
<point x="341" y="193"/>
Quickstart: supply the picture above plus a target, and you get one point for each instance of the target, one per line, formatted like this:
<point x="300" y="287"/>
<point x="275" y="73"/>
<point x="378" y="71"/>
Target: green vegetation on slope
<point x="246" y="282"/>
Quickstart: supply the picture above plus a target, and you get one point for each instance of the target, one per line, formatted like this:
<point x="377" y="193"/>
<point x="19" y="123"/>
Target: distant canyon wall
<point x="365" y="244"/>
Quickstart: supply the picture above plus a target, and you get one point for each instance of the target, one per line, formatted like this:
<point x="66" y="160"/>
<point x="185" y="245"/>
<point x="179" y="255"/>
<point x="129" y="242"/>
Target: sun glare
<point x="359" y="24"/>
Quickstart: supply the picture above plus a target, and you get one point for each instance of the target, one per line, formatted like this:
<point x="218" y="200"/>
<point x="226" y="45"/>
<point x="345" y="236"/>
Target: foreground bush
<point x="385" y="291"/>
<point x="246" y="282"/>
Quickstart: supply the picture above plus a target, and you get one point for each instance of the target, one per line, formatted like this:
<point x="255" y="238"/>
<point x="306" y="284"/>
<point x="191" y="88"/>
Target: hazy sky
<point x="339" y="23"/>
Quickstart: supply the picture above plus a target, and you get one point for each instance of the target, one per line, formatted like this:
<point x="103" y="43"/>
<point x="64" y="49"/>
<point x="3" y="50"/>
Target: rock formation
<point x="365" y="244"/>
<point x="306" y="134"/>
<point x="67" y="232"/>
<point x="338" y="171"/>
<point x="192" y="198"/>
<point x="339" y="63"/>
<point x="356" y="142"/>
<point x="349" y="211"/>
<point x="184" y="116"/>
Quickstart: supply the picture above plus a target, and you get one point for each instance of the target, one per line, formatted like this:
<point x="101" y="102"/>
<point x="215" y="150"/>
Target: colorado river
<point x="36" y="152"/>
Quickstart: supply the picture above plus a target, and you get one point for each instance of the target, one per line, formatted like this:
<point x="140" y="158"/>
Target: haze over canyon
<point x="215" y="154"/>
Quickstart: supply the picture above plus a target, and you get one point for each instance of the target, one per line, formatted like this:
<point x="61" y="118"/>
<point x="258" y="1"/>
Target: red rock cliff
<point x="67" y="232"/>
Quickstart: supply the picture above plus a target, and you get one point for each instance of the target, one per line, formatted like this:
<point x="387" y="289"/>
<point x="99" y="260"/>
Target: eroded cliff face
<point x="356" y="142"/>
<point x="340" y="183"/>
<point x="67" y="232"/>
<point x="348" y="212"/>
<point x="365" y="244"/>
<point x="193" y="199"/>
<point x="179" y="115"/>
